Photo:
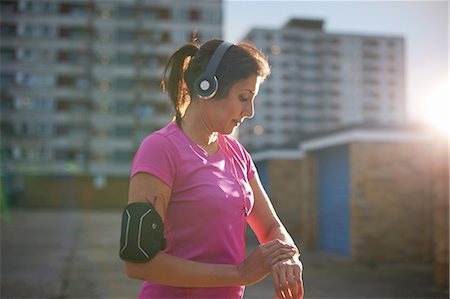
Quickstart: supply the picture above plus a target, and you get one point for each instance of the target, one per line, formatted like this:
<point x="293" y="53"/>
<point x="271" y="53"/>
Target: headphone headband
<point x="206" y="84"/>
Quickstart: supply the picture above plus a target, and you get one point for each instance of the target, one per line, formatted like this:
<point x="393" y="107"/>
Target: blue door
<point x="333" y="200"/>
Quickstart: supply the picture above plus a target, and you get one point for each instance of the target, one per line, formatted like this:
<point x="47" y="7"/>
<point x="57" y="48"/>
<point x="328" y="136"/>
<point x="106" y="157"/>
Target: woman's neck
<point x="196" y="127"/>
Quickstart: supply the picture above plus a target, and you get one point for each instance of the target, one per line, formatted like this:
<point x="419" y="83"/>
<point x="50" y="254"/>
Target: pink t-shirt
<point x="205" y="220"/>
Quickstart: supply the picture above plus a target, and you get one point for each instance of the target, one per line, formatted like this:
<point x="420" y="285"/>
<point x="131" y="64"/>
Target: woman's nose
<point x="249" y="110"/>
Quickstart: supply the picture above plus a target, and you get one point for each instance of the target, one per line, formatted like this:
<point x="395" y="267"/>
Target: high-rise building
<point x="80" y="79"/>
<point x="322" y="81"/>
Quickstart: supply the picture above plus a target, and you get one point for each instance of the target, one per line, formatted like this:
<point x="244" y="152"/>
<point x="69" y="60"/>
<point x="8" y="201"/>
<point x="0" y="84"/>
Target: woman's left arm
<point x="286" y="275"/>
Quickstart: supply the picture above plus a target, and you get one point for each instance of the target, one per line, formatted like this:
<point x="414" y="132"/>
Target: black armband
<point x="142" y="233"/>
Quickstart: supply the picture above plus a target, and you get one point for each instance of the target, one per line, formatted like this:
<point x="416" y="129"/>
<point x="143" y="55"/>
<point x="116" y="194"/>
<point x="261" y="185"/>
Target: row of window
<point x="37" y="103"/>
<point x="80" y="57"/>
<point x="317" y="114"/>
<point x="80" y="33"/>
<point x="112" y="10"/>
<point x="315" y="56"/>
<point x="46" y="154"/>
<point x="43" y="129"/>
<point x="321" y="39"/>
<point x="269" y="129"/>
<point x="26" y="79"/>
<point x="316" y="68"/>
<point x="314" y="104"/>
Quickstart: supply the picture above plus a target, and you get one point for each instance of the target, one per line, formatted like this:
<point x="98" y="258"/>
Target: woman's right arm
<point x="174" y="271"/>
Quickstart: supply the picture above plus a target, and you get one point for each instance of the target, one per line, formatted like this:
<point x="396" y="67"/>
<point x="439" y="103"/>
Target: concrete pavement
<point x="74" y="254"/>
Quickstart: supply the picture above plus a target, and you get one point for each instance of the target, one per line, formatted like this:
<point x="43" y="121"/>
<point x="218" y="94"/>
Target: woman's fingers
<point x="287" y="279"/>
<point x="276" y="250"/>
<point x="286" y="270"/>
<point x="276" y="244"/>
<point x="279" y="256"/>
<point x="299" y="281"/>
<point x="277" y="285"/>
<point x="291" y="284"/>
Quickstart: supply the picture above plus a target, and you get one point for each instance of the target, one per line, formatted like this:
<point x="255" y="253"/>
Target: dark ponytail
<point x="173" y="80"/>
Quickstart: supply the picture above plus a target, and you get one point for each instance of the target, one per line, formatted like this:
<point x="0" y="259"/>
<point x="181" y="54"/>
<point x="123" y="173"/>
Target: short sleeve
<point x="155" y="156"/>
<point x="251" y="168"/>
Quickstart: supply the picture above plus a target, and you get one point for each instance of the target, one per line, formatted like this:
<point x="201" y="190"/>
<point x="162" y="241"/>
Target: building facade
<point x="322" y="81"/>
<point x="358" y="193"/>
<point x="80" y="79"/>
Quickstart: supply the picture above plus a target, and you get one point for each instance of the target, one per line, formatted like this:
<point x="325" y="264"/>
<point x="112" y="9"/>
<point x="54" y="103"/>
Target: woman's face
<point x="229" y="112"/>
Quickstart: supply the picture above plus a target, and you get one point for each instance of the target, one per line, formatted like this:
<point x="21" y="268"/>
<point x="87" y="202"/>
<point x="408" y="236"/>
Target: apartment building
<point x="80" y="79"/>
<point x="323" y="81"/>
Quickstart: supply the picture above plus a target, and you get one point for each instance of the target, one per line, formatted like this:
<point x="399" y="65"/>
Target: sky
<point x="423" y="24"/>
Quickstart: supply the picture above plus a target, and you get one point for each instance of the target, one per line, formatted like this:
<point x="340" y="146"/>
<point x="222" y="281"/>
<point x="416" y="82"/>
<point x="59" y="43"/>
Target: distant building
<point x="322" y="81"/>
<point x="80" y="80"/>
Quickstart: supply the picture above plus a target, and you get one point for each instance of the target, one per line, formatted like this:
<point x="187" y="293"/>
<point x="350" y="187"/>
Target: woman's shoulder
<point x="235" y="146"/>
<point x="161" y="139"/>
<point x="162" y="135"/>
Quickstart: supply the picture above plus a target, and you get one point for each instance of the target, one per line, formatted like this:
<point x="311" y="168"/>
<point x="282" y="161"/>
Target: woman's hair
<point x="189" y="62"/>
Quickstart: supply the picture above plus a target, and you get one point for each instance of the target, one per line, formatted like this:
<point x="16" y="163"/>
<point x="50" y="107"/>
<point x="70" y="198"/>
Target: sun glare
<point x="436" y="108"/>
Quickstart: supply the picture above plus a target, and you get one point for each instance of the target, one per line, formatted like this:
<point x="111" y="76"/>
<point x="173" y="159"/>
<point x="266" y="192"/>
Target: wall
<point x="440" y="193"/>
<point x="391" y="202"/>
<point x="73" y="192"/>
<point x="291" y="186"/>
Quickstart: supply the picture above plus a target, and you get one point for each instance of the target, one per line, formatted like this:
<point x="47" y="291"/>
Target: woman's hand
<point x="259" y="263"/>
<point x="287" y="279"/>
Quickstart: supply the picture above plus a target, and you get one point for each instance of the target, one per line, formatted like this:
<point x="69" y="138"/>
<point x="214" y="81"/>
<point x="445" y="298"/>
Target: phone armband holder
<point x="142" y="233"/>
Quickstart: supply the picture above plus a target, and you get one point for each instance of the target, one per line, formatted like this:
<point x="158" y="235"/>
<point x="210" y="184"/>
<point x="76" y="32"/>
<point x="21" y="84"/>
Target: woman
<point x="204" y="184"/>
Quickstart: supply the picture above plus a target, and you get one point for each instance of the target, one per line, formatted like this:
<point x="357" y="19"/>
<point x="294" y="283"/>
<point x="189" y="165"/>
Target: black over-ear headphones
<point x="206" y="85"/>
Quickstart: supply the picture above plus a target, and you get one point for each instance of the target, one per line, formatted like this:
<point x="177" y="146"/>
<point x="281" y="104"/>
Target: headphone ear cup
<point x="206" y="85"/>
<point x="206" y="88"/>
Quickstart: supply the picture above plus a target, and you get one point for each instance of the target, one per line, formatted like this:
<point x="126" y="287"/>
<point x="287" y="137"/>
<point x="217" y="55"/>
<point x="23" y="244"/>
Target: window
<point x="123" y="107"/>
<point x="125" y="11"/>
<point x="43" y="129"/>
<point x="38" y="6"/>
<point x="163" y="13"/>
<point x="66" y="81"/>
<point x="7" y="79"/>
<point x="144" y="111"/>
<point x="162" y="108"/>
<point x="211" y="16"/>
<point x="370" y="43"/>
<point x="194" y="15"/>
<point x="165" y="37"/>
<point x="7" y="55"/>
<point x="63" y="106"/>
<point x="8" y="30"/>
<point x="122" y="131"/>
<point x="122" y="156"/>
<point x="124" y="83"/>
<point x="16" y="152"/>
<point x="8" y="7"/>
<point x="125" y="35"/>
<point x="68" y="8"/>
<point x="149" y="84"/>
<point x="180" y="37"/>
<point x="180" y="14"/>
<point x="391" y="44"/>
<point x="74" y="32"/>
<point x="124" y="58"/>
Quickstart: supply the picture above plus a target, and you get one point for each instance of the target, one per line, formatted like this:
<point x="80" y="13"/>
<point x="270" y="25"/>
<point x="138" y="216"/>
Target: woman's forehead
<point x="250" y="84"/>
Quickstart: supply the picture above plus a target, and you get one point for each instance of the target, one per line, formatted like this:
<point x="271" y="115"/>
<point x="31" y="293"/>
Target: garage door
<point x="333" y="200"/>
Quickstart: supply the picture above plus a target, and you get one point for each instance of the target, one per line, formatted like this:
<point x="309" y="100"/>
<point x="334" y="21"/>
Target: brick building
<point x="372" y="195"/>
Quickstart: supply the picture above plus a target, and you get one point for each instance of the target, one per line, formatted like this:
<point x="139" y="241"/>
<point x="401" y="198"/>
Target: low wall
<point x="73" y="192"/>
